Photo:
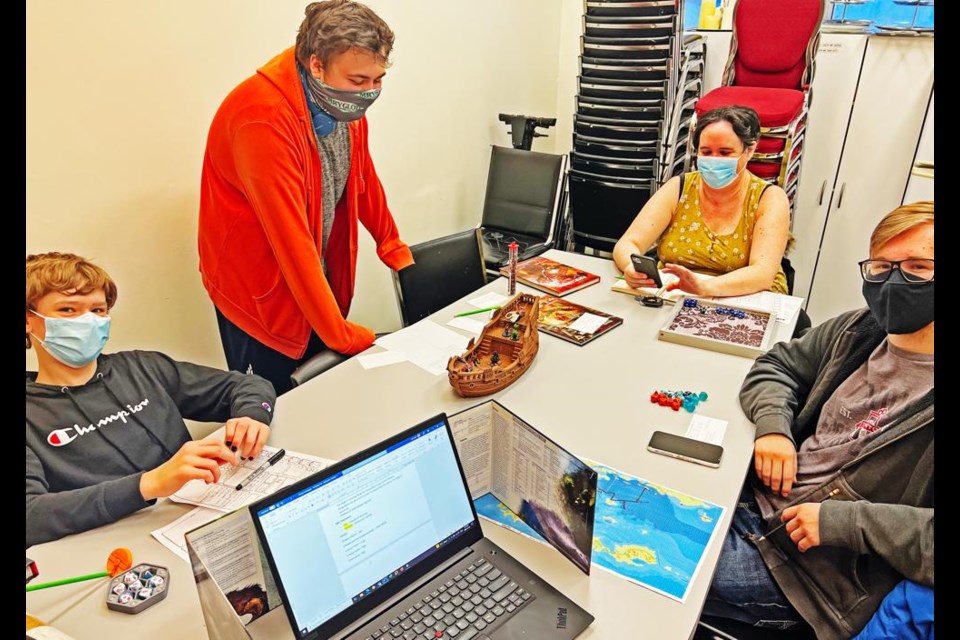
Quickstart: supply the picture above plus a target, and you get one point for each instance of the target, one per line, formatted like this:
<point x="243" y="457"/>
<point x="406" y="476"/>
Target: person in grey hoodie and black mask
<point x="841" y="507"/>
<point x="106" y="433"/>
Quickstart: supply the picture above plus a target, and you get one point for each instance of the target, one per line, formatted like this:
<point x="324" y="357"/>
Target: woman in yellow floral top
<point x="726" y="222"/>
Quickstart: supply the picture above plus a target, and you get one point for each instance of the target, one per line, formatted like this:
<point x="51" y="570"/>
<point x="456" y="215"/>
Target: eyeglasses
<point x="914" y="270"/>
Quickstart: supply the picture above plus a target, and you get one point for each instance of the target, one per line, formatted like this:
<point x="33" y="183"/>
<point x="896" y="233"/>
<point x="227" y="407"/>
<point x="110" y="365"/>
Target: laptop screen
<point x="341" y="538"/>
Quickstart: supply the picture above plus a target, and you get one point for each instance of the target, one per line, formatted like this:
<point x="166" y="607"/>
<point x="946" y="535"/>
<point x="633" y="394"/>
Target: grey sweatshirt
<point x="878" y="529"/>
<point x="88" y="445"/>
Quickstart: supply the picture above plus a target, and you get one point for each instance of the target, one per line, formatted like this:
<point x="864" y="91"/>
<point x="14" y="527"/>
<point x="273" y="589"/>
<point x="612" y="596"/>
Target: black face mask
<point x="900" y="306"/>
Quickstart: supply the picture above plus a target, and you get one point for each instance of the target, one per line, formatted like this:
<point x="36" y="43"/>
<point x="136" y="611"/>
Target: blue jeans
<point x="743" y="588"/>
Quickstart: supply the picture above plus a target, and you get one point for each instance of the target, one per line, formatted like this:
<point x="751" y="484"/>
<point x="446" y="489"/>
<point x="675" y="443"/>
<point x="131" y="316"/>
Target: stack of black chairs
<point x="626" y="91"/>
<point x="674" y="158"/>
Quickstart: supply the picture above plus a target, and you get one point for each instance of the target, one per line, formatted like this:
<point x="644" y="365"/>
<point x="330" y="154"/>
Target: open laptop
<point x="387" y="545"/>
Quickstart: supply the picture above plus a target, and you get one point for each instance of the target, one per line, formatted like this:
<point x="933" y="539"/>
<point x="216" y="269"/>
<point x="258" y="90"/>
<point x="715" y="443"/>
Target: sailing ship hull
<point x="502" y="353"/>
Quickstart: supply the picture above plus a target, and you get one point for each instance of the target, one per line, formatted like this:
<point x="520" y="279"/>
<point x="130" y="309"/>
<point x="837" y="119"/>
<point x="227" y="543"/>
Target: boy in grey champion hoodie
<point x="106" y="433"/>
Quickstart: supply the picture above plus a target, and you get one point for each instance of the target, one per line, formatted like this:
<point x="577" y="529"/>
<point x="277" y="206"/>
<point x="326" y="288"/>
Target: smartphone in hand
<point x="648" y="266"/>
<point x="684" y="448"/>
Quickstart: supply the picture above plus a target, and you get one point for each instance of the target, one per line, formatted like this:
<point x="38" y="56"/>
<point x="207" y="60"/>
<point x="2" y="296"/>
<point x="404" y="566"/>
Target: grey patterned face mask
<point x="345" y="106"/>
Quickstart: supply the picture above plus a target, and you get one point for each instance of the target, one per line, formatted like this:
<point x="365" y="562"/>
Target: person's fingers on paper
<point x="248" y="449"/>
<point x="216" y="450"/>
<point x="204" y="463"/>
<point x="240" y="435"/>
<point x="229" y="428"/>
<point x="262" y="435"/>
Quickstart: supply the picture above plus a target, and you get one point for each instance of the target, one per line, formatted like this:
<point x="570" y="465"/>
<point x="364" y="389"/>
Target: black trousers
<point x="248" y="355"/>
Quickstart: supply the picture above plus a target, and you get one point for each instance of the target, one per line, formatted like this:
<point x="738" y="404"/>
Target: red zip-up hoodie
<point x="261" y="218"/>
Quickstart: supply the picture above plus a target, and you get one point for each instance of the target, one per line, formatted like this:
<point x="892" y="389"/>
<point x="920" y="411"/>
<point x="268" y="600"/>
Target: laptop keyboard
<point x="462" y="608"/>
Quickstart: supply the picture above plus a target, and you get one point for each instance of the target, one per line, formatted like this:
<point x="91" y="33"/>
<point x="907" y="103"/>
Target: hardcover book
<point x="574" y="322"/>
<point x="551" y="276"/>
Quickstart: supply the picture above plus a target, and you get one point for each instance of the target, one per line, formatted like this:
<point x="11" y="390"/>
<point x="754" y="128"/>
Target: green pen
<point x="475" y="311"/>
<point x="57" y="583"/>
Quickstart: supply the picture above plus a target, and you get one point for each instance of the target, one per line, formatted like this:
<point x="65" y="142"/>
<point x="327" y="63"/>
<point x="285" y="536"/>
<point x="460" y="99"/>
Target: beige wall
<point x="120" y="95"/>
<point x="568" y="67"/>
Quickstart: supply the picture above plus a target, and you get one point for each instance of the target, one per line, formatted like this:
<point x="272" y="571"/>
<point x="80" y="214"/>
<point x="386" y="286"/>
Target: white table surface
<point x="593" y="400"/>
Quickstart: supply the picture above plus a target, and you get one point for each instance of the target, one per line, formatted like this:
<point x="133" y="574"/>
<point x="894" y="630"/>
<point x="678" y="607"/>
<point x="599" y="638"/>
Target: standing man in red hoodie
<point x="286" y="176"/>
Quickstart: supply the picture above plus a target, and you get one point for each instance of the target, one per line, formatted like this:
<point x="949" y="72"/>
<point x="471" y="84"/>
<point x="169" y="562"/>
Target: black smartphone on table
<point x="648" y="266"/>
<point x="684" y="448"/>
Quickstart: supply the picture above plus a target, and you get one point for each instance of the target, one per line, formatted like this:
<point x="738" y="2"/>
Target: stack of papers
<point x="214" y="500"/>
<point x="425" y="344"/>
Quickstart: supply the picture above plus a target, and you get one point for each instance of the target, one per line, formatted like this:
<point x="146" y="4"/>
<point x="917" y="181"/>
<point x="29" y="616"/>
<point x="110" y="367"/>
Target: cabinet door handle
<point x="840" y="197"/>
<point x="823" y="187"/>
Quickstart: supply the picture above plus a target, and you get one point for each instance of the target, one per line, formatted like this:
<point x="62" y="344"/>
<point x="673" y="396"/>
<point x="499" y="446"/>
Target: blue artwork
<point x="644" y="532"/>
<point x="880" y="12"/>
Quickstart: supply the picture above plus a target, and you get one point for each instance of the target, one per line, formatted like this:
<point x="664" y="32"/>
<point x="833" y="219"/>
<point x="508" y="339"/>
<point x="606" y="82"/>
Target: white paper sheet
<point x="789" y="306"/>
<point x="223" y="495"/>
<point x="469" y="323"/>
<point x="172" y="535"/>
<point x="382" y="359"/>
<point x="784" y="307"/>
<point x="588" y="323"/>
<point x="488" y="299"/>
<point x="425" y="344"/>
<point x="707" y="429"/>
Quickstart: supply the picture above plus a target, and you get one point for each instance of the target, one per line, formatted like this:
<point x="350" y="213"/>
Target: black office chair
<point x="326" y="359"/>
<point x="803" y="320"/>
<point x="446" y="269"/>
<point x="523" y="201"/>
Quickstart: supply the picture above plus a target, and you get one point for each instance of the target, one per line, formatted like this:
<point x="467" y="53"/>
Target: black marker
<point x="275" y="458"/>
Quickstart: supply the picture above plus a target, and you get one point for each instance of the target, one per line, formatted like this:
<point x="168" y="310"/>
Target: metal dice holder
<point x="138" y="588"/>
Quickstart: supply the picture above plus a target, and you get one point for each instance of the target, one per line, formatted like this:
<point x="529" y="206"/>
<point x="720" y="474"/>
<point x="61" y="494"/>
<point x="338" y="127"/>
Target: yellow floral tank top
<point x="690" y="242"/>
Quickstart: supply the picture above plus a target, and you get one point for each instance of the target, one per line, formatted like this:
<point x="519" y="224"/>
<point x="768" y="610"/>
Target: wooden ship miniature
<point x="503" y="351"/>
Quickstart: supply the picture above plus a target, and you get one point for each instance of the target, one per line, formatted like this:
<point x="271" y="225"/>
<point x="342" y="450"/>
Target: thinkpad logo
<point x="561" y="618"/>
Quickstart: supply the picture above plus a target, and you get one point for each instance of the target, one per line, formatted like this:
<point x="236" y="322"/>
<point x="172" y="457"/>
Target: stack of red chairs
<point x="770" y="68"/>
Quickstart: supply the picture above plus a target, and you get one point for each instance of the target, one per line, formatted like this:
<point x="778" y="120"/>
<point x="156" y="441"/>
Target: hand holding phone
<point x="647" y="266"/>
<point x="685" y="448"/>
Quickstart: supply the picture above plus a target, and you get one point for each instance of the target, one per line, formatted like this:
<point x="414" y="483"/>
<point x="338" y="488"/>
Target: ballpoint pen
<point x="256" y="472"/>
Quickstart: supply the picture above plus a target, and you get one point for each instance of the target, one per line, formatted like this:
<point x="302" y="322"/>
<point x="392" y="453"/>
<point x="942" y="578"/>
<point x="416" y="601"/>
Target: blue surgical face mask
<point x="75" y="341"/>
<point x="716" y="171"/>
